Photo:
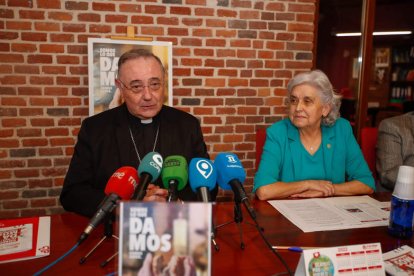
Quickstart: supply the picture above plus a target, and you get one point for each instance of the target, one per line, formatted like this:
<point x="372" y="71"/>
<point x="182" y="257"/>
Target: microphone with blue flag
<point x="148" y="170"/>
<point x="230" y="176"/>
<point x="174" y="175"/>
<point x="203" y="177"/>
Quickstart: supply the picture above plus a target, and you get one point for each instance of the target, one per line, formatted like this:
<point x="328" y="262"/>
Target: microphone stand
<point x="108" y="233"/>
<point x="238" y="219"/>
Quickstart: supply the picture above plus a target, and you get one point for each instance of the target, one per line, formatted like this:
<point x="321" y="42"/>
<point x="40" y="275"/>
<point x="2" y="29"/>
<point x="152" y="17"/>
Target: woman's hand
<point x="155" y="193"/>
<point x="308" y="194"/>
<point x="316" y="188"/>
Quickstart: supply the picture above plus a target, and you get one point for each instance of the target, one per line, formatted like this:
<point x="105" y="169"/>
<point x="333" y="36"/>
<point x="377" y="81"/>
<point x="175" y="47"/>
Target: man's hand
<point x="155" y="193"/>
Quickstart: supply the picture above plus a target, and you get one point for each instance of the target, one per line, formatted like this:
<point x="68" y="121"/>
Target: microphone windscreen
<point x="122" y="182"/>
<point x="228" y="167"/>
<point x="202" y="173"/>
<point x="151" y="164"/>
<point x="175" y="168"/>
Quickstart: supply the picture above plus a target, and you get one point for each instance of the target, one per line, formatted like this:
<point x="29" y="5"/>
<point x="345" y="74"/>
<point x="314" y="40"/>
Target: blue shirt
<point x="338" y="159"/>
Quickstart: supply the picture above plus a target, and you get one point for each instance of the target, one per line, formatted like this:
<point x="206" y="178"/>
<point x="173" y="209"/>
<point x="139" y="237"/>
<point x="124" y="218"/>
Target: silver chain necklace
<point x="135" y="146"/>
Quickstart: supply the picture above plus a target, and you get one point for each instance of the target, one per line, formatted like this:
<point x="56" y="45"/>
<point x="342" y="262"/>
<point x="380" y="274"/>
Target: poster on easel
<point x="103" y="56"/>
<point x="164" y="238"/>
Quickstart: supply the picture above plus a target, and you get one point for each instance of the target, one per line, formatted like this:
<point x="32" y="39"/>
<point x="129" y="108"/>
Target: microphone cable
<point x="57" y="260"/>
<point x="288" y="271"/>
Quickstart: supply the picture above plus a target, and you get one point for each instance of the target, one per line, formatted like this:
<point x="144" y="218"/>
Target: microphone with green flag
<point x="174" y="175"/>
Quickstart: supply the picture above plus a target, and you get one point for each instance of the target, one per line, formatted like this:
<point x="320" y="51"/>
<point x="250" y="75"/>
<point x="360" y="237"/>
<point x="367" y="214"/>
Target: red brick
<point x="89" y="17"/>
<point x="48" y="172"/>
<point x="41" y="122"/>
<point x="116" y="18"/>
<point x="61" y="142"/>
<point x="27" y="69"/>
<point x="33" y="212"/>
<point x="15" y="25"/>
<point x="74" y="28"/>
<point x="192" y="21"/>
<point x="15" y="204"/>
<point x="180" y="10"/>
<point x="41" y="80"/>
<point x="29" y="132"/>
<point x="300" y="27"/>
<point x="204" y="12"/>
<point x="6" y="133"/>
<point x="59" y="16"/>
<point x="39" y="163"/>
<point x="103" y="6"/>
<point x="152" y="30"/>
<point x="275" y="6"/>
<point x="9" y="143"/>
<point x="226" y="13"/>
<point x="203" y="32"/>
<point x="130" y="8"/>
<point x="12" y="58"/>
<point x="142" y="20"/>
<point x="216" y="23"/>
<point x="48" y="27"/>
<point x="13" y="101"/>
<point x="31" y="112"/>
<point x="49" y="4"/>
<point x="62" y="38"/>
<point x="8" y="214"/>
<point x="301" y="8"/>
<point x="44" y="202"/>
<point x="177" y="31"/>
<point x="73" y="5"/>
<point x="152" y="9"/>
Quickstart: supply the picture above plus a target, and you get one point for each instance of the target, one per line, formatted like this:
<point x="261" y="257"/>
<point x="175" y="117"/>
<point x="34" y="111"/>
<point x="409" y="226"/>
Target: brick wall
<point x="231" y="62"/>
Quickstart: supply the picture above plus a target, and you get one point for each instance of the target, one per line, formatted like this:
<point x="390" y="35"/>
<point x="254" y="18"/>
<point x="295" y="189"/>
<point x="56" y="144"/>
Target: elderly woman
<point x="313" y="153"/>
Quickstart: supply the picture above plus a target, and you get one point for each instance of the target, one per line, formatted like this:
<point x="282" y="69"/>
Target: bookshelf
<point x="402" y="74"/>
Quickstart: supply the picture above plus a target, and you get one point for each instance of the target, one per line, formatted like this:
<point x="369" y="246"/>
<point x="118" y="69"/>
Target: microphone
<point x="203" y="177"/>
<point x="230" y="176"/>
<point x="148" y="170"/>
<point x="174" y="175"/>
<point x="121" y="185"/>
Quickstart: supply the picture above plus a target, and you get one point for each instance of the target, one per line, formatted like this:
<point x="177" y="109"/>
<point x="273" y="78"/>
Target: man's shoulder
<point x="399" y="120"/>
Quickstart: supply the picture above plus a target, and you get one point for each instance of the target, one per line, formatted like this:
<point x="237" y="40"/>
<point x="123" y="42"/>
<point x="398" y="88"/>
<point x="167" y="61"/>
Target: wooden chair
<point x="260" y="140"/>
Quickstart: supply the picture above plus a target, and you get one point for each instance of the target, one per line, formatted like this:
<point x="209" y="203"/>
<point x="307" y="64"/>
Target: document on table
<point x="334" y="213"/>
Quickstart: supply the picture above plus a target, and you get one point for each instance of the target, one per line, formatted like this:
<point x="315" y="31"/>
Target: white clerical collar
<point x="147" y="121"/>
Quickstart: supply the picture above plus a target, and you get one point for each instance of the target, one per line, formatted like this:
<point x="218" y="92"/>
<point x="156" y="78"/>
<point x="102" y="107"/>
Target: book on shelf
<point x="158" y="238"/>
<point x="400" y="261"/>
<point x="24" y="238"/>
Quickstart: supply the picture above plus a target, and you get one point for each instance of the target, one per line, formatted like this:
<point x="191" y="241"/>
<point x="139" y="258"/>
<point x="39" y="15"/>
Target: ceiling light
<point x="376" y="33"/>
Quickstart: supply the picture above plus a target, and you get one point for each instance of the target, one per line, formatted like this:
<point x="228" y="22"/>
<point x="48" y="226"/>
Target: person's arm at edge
<point x="388" y="153"/>
<point x="77" y="194"/>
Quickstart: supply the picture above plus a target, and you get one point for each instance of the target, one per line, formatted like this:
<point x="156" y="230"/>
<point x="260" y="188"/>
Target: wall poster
<point x="103" y="56"/>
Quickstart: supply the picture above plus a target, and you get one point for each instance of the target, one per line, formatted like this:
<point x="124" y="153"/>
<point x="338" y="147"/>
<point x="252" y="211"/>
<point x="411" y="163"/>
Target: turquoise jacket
<point x="283" y="156"/>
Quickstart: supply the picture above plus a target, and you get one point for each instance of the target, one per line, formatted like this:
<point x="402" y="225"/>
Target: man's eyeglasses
<point x="138" y="87"/>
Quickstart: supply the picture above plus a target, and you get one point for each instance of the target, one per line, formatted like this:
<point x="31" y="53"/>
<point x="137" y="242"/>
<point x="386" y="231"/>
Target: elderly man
<point x="122" y="136"/>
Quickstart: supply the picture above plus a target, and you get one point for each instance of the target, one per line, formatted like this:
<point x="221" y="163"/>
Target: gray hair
<point x="320" y="81"/>
<point x="138" y="53"/>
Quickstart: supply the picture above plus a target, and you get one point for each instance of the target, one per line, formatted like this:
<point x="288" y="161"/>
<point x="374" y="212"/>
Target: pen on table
<point x="291" y="248"/>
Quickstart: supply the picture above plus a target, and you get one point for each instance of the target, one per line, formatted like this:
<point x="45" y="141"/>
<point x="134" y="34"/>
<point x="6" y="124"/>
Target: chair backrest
<point x="260" y="140"/>
<point x="368" y="143"/>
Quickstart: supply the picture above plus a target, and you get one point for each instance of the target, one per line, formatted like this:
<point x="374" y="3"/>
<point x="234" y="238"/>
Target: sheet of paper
<point x="334" y="213"/>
